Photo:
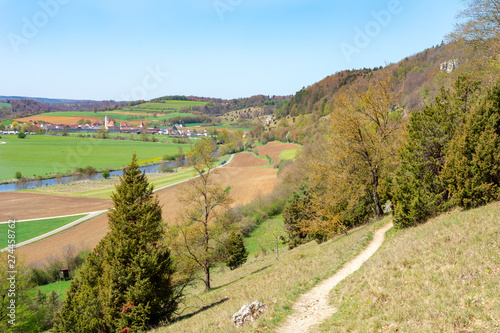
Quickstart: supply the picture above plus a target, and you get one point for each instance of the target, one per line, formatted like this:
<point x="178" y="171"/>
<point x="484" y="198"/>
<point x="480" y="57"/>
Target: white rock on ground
<point x="248" y="313"/>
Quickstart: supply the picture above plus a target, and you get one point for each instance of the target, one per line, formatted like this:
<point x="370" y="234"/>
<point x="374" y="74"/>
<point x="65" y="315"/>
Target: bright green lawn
<point x="290" y="154"/>
<point x="59" y="287"/>
<point x="42" y="155"/>
<point x="263" y="238"/>
<point x="7" y="105"/>
<point x="28" y="230"/>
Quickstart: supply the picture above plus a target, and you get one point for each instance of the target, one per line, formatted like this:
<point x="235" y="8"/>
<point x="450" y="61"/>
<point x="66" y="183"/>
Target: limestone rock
<point x="449" y="66"/>
<point x="249" y="313"/>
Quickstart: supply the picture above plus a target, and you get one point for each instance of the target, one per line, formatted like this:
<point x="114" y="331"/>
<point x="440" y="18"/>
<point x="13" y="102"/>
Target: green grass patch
<point x="42" y="155"/>
<point x="28" y="230"/>
<point x="289" y="154"/>
<point x="262" y="239"/>
<point x="59" y="287"/>
<point x="5" y="105"/>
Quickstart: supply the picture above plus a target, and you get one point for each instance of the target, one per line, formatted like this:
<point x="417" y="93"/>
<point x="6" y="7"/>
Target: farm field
<point x="72" y="117"/>
<point x="5" y="105"/>
<point x="102" y="188"/>
<point x="247" y="182"/>
<point x="31" y="229"/>
<point x="274" y="149"/>
<point x="42" y="155"/>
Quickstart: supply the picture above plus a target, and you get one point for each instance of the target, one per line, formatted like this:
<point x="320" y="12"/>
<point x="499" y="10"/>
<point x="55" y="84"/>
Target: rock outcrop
<point x="249" y="313"/>
<point x="449" y="66"/>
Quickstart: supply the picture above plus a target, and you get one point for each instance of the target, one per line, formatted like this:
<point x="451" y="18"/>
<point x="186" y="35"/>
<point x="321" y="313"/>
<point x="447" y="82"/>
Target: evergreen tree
<point x="236" y="252"/>
<point x="419" y="192"/>
<point x="125" y="284"/>
<point x="472" y="169"/>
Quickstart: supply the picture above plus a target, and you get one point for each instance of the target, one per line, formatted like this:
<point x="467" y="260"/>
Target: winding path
<point x="312" y="308"/>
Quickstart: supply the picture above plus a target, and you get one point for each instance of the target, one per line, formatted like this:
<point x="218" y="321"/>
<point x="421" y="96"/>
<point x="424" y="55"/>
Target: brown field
<point x="273" y="149"/>
<point x="247" y="160"/>
<point x="25" y="206"/>
<point x="247" y="183"/>
<point x="60" y="120"/>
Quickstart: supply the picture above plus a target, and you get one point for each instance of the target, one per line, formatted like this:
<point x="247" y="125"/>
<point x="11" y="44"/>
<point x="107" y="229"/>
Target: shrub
<point x="21" y="135"/>
<point x="236" y="253"/>
<point x="18" y="175"/>
<point x="106" y="174"/>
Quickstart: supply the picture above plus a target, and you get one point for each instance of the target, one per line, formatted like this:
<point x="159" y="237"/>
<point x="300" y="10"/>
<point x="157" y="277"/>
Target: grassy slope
<point x="261" y="240"/>
<point x="43" y="155"/>
<point x="290" y="154"/>
<point x="442" y="276"/>
<point x="177" y="105"/>
<point x="275" y="282"/>
<point x="32" y="229"/>
<point x="59" y="287"/>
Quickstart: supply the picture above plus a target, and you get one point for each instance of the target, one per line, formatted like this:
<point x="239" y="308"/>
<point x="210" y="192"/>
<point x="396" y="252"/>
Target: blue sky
<point x="111" y="49"/>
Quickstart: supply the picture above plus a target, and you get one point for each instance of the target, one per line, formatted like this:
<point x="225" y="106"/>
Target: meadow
<point x="5" y="105"/>
<point x="41" y="155"/>
<point x="290" y="154"/>
<point x="31" y="229"/>
<point x="116" y="115"/>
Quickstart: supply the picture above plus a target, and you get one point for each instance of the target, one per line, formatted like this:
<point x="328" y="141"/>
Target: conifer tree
<point x="125" y="284"/>
<point x="236" y="252"/>
<point x="419" y="191"/>
<point x="472" y="169"/>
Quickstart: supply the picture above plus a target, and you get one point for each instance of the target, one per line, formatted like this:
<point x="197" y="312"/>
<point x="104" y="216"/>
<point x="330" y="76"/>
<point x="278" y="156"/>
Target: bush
<point x="235" y="251"/>
<point x="106" y="174"/>
<point x="21" y="135"/>
<point x="18" y="175"/>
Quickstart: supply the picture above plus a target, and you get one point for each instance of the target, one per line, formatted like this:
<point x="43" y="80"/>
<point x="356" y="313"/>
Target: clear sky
<point x="122" y="50"/>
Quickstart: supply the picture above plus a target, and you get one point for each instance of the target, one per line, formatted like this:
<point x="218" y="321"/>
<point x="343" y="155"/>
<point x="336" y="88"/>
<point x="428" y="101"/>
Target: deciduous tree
<point x="202" y="199"/>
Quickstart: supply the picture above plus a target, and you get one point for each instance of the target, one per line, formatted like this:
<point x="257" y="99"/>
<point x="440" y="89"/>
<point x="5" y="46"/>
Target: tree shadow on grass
<point x="260" y="269"/>
<point x="204" y="308"/>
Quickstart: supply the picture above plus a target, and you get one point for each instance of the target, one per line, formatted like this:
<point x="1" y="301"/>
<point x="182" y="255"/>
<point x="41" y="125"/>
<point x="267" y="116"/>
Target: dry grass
<point x="276" y="283"/>
<point x="442" y="276"/>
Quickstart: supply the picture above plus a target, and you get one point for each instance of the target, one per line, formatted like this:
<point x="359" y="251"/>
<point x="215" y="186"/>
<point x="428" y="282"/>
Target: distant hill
<point x="44" y="100"/>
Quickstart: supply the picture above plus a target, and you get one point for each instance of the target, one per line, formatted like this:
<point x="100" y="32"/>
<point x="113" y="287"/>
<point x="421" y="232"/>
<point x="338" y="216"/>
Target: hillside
<point x="419" y="76"/>
<point x="440" y="276"/>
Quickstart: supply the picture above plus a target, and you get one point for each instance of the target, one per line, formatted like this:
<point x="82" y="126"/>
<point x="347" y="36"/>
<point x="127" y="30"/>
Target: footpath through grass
<point x="278" y="283"/>
<point x="28" y="230"/>
<point x="442" y="276"/>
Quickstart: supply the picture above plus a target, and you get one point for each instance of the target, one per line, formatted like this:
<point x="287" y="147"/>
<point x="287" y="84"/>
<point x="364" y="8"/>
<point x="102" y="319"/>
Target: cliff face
<point x="449" y="66"/>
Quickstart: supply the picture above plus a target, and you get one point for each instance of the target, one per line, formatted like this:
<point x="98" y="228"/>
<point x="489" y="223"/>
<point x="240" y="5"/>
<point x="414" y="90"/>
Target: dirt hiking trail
<point x="312" y="308"/>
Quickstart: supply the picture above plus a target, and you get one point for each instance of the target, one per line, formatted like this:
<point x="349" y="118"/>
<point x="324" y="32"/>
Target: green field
<point x="7" y="105"/>
<point x="116" y="115"/>
<point x="59" y="287"/>
<point x="42" y="155"/>
<point x="290" y="154"/>
<point x="28" y="230"/>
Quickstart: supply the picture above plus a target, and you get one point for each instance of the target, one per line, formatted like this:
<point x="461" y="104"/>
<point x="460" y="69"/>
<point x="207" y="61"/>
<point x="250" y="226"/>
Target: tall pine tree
<point x="125" y="284"/>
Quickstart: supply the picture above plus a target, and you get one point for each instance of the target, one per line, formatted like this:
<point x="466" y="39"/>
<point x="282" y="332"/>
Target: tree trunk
<point x="207" y="277"/>
<point x="376" y="200"/>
